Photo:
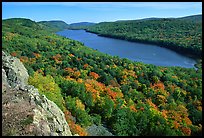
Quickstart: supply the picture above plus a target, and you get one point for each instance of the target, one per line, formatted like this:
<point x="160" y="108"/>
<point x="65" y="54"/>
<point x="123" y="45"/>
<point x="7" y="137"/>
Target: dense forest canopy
<point x="183" y="35"/>
<point x="90" y="87"/>
<point x="54" y="25"/>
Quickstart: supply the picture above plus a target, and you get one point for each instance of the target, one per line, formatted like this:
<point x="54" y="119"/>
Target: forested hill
<point x="56" y="25"/>
<point x="181" y="35"/>
<point x="81" y="24"/>
<point x="95" y="89"/>
<point x="20" y="22"/>
<point x="193" y="18"/>
<point x="61" y="25"/>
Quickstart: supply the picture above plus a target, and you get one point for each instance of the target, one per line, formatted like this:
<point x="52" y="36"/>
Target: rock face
<point x="24" y="110"/>
<point x="17" y="74"/>
<point x="95" y="130"/>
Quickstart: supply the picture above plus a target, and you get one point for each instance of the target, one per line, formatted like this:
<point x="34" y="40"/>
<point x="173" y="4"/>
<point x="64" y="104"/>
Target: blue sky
<point x="72" y="12"/>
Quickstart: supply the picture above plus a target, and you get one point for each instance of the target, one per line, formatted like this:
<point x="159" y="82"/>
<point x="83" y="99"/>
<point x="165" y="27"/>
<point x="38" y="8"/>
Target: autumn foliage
<point x="90" y="87"/>
<point x="57" y="58"/>
<point x="75" y="128"/>
<point x="94" y="75"/>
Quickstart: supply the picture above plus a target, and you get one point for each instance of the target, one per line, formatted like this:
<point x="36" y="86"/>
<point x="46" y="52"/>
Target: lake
<point x="146" y="53"/>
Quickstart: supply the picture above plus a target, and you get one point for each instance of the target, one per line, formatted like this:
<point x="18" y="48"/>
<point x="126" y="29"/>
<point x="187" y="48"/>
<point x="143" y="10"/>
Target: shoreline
<point x="190" y="55"/>
<point x="152" y="43"/>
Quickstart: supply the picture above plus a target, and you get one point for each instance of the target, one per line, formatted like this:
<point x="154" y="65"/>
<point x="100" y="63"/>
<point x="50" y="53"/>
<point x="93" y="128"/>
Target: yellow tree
<point x="47" y="86"/>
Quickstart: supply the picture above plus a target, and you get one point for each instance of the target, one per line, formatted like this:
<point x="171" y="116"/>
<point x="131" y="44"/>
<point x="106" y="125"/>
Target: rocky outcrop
<point x="16" y="73"/>
<point x="24" y="110"/>
<point x="95" y="130"/>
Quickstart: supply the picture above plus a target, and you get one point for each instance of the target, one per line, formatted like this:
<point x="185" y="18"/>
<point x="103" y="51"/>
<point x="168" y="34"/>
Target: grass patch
<point x="27" y="121"/>
<point x="11" y="132"/>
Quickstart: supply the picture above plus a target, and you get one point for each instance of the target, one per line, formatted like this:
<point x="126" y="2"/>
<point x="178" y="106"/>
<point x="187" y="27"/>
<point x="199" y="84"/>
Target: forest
<point x="183" y="35"/>
<point x="129" y="98"/>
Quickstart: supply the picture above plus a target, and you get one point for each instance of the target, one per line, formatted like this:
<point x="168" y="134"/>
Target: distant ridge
<point x="196" y="18"/>
<point x="57" y="24"/>
<point x="61" y="25"/>
<point x="81" y="24"/>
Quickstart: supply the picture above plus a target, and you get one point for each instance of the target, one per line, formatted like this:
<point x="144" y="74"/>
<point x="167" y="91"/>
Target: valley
<point x="117" y="95"/>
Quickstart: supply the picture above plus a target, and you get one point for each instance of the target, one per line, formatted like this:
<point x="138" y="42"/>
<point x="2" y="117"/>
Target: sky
<point x="72" y="12"/>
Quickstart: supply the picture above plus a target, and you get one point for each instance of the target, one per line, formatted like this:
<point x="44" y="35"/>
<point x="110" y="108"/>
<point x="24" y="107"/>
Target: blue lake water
<point x="146" y="53"/>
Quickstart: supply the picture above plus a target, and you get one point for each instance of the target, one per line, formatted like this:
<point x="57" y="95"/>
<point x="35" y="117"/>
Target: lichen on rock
<point x="16" y="73"/>
<point x="24" y="111"/>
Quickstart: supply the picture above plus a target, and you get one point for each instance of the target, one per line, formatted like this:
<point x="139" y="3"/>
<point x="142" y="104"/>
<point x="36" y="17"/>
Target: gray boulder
<point x="95" y="130"/>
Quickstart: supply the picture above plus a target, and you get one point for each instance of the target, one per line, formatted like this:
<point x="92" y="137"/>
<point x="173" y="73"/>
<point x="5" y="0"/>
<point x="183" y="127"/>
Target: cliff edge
<point x="24" y="111"/>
